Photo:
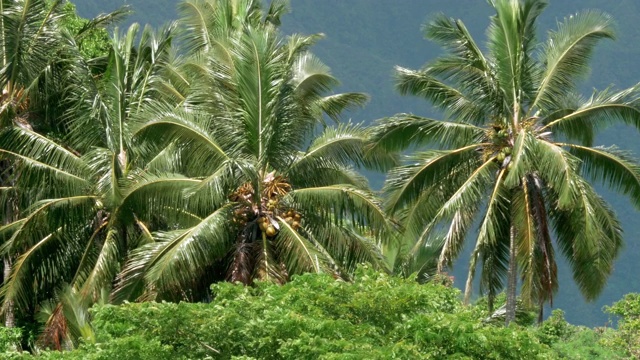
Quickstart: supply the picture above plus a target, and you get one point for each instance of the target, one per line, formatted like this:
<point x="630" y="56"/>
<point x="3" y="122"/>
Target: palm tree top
<point x="515" y="152"/>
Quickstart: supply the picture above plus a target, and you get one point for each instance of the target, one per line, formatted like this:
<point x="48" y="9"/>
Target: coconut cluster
<point x="293" y="218"/>
<point x="265" y="213"/>
<point x="501" y="148"/>
<point x="270" y="227"/>
<point x="267" y="226"/>
<point x="241" y="216"/>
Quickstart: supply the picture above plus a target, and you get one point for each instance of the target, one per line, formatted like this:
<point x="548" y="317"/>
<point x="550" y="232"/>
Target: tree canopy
<point x="514" y="152"/>
<point x="144" y="164"/>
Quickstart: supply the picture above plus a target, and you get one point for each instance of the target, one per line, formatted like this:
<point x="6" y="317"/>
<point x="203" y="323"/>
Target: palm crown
<point x="83" y="217"/>
<point x="262" y="200"/>
<point x="515" y="152"/>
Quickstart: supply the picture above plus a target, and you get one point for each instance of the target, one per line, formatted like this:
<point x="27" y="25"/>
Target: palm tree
<point x="88" y="191"/>
<point x="33" y="50"/>
<point x="27" y="38"/>
<point x="274" y="192"/>
<point x="514" y="153"/>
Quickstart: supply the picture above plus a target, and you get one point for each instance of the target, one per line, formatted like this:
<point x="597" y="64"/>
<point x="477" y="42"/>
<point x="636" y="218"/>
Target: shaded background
<point x="365" y="39"/>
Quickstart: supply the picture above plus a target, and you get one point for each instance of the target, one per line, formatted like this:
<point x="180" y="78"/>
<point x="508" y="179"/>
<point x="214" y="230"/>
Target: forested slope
<point x="365" y="39"/>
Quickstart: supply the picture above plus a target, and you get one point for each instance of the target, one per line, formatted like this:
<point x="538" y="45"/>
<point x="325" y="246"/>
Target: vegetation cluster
<point x="376" y="316"/>
<point x="139" y="167"/>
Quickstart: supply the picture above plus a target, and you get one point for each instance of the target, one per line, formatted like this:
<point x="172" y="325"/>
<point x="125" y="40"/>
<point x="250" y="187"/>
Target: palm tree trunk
<point x="10" y="212"/>
<point x="512" y="279"/>
<point x="9" y="316"/>
<point x="541" y="313"/>
<point x="467" y="289"/>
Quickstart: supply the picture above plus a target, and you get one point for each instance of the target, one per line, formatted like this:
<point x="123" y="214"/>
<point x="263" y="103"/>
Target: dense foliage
<point x="166" y="173"/>
<point x="627" y="337"/>
<point x="146" y="166"/>
<point x="361" y="50"/>
<point x="313" y="316"/>
<point x="514" y="154"/>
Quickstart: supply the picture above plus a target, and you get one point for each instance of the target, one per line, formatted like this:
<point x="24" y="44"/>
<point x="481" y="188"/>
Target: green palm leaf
<point x="612" y="167"/>
<point x="162" y="263"/>
<point x="405" y="183"/>
<point x="399" y="132"/>
<point x="343" y="202"/>
<point x="590" y="237"/>
<point x="565" y="54"/>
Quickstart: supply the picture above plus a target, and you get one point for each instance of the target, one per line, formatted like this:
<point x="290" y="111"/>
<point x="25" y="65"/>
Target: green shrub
<point x="9" y="339"/>
<point x="576" y="342"/>
<point x="627" y="338"/>
<point x="312" y="317"/>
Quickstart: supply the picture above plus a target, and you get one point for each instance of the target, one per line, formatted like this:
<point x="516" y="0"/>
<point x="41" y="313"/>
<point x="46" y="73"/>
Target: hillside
<point x="363" y="43"/>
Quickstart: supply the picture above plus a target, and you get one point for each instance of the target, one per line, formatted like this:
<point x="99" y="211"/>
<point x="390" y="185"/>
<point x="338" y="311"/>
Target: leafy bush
<point x="9" y="339"/>
<point x="555" y="328"/>
<point x="576" y="342"/>
<point x="313" y="316"/>
<point x="627" y="338"/>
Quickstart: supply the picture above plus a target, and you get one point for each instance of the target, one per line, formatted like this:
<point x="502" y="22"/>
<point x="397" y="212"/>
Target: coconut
<point x="295" y="225"/>
<point x="297" y="217"/>
<point x="506" y="150"/>
<point x="288" y="220"/>
<point x="271" y="231"/>
<point x="500" y="157"/>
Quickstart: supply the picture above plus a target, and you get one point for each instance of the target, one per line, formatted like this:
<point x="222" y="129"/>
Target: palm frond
<point x="521" y="158"/>
<point x="612" y="167"/>
<point x="567" y="52"/>
<point x="452" y="241"/>
<point x="405" y="184"/>
<point x="65" y="319"/>
<point x="298" y="253"/>
<point x="155" y="195"/>
<point x="326" y="172"/>
<point x="559" y="169"/>
<point x="99" y="273"/>
<point x="268" y="268"/>
<point x="401" y="131"/>
<point x="336" y="104"/>
<point x="534" y="253"/>
<point x="311" y="77"/>
<point x="453" y="35"/>
<point x="490" y="243"/>
<point x="277" y="8"/>
<point x="511" y="37"/>
<point x="344" y="145"/>
<point x="589" y="236"/>
<point x="36" y="269"/>
<point x="602" y="109"/>
<point x="341" y="203"/>
<point x="346" y="247"/>
<point x="44" y="162"/>
<point x="456" y="211"/>
<point x="162" y="264"/>
<point x="465" y="66"/>
<point x="446" y="98"/>
<point x="48" y="216"/>
<point x="103" y="21"/>
<point x="30" y="34"/>
<point x="167" y="125"/>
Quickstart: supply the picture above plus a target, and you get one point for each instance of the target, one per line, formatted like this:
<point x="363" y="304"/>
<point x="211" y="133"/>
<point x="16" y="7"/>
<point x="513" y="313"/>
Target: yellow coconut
<point x="271" y="231"/>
